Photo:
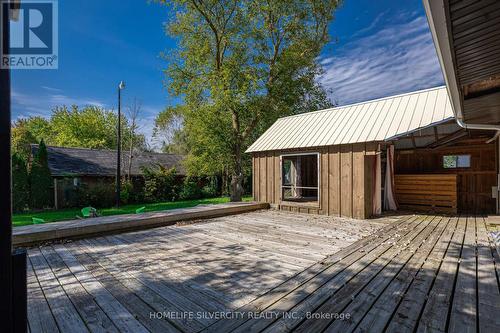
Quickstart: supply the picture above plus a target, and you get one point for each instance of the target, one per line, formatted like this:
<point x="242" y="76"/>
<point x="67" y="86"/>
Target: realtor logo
<point x="33" y="36"/>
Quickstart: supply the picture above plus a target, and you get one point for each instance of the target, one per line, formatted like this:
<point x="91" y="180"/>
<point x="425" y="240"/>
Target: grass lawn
<point x="70" y="214"/>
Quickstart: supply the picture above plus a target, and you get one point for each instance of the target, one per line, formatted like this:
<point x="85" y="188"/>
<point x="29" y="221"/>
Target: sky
<point x="378" y="48"/>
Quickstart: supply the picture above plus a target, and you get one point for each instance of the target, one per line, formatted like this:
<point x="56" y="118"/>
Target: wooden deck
<point x="272" y="271"/>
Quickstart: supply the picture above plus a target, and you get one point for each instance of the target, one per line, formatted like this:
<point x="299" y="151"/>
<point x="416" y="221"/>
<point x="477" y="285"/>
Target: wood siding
<point x="345" y="180"/>
<point x="474" y="183"/>
<point x="436" y="193"/>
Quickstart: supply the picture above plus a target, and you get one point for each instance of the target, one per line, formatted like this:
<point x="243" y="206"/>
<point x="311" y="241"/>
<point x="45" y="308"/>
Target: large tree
<point x="239" y="66"/>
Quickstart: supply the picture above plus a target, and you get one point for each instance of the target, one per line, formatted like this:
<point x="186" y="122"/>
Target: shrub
<point x="126" y="192"/>
<point x="40" y="179"/>
<point x="160" y="184"/>
<point x="99" y="195"/>
<point x="20" y="184"/>
<point x="191" y="189"/>
<point x="211" y="189"/>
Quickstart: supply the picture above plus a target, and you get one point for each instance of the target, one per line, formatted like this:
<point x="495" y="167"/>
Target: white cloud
<point x="51" y="89"/>
<point x="397" y="58"/>
<point x="36" y="104"/>
<point x="30" y="106"/>
<point x="59" y="99"/>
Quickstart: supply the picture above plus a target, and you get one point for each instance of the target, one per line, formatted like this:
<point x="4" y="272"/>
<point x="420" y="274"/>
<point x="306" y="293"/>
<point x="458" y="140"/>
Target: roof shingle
<point x="65" y="161"/>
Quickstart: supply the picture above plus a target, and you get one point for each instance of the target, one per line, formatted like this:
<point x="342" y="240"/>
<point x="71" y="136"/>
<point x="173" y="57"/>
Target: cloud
<point x="41" y="104"/>
<point x="395" y="59"/>
<point x="371" y="26"/>
<point x="29" y="105"/>
<point x="59" y="99"/>
<point x="51" y="89"/>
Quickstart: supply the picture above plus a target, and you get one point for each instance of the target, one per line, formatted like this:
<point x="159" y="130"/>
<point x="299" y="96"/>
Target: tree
<point x="21" y="139"/>
<point x="87" y="127"/>
<point x="41" y="179"/>
<point x="20" y="183"/>
<point x="133" y="111"/>
<point x="169" y="130"/>
<point x="241" y="65"/>
<point x="28" y="131"/>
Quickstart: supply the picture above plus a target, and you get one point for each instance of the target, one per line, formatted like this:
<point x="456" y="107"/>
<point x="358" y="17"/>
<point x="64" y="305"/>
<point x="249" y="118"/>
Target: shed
<point x="403" y="151"/>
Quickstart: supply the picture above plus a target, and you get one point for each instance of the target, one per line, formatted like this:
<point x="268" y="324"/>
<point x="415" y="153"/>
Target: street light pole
<point x="121" y="86"/>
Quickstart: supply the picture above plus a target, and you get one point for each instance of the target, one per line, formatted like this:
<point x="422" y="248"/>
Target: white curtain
<point x="389" y="197"/>
<point x="377" y="185"/>
<point x="298" y="178"/>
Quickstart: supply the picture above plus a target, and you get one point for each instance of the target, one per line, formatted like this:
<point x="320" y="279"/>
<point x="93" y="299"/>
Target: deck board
<point x="463" y="317"/>
<point x="423" y="273"/>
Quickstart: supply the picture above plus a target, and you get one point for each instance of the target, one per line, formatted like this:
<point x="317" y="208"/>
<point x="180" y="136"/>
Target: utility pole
<point x="121" y="86"/>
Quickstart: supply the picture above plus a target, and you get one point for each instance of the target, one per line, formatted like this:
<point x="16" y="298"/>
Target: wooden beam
<point x="448" y="138"/>
<point x="488" y="86"/>
<point x="413" y="141"/>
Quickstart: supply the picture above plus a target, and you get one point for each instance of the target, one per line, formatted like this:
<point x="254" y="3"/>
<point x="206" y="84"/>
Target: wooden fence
<point x="427" y="192"/>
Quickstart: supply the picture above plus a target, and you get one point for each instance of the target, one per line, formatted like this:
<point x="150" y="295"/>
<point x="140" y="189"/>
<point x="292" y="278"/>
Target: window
<point x="299" y="177"/>
<point x="456" y="161"/>
<point x="76" y="182"/>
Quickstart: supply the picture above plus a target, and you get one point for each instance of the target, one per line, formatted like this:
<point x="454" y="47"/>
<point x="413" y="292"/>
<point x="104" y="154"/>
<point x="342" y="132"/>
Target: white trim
<point x="439" y="23"/>
<point x="318" y="156"/>
<point x="436" y="16"/>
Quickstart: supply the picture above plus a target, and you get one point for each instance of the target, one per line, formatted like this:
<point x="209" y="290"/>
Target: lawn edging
<point x="98" y="226"/>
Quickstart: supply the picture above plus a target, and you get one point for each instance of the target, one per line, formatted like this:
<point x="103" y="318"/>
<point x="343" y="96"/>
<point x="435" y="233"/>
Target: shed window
<point x="456" y="161"/>
<point x="299" y="178"/>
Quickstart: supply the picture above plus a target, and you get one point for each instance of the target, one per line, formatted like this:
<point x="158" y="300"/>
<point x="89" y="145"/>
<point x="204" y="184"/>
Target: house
<point x="71" y="167"/>
<point x="398" y="152"/>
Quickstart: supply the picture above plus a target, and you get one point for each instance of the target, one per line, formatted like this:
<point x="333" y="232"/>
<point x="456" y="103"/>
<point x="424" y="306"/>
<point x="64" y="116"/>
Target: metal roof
<point x="374" y="120"/>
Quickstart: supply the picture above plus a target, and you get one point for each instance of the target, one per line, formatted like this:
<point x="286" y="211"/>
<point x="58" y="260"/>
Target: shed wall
<point x="474" y="183"/>
<point x="345" y="180"/>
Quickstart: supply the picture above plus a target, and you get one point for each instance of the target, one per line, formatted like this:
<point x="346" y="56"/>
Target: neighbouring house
<point x="400" y="152"/>
<point x="72" y="167"/>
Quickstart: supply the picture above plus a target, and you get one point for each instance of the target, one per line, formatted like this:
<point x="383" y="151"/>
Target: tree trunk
<point x="237" y="177"/>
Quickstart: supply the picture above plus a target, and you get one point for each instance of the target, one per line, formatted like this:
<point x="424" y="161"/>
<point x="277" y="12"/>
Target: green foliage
<point x="127" y="192"/>
<point x="21" y="138"/>
<point x="90" y="127"/>
<point x="191" y="189"/>
<point x="98" y="195"/>
<point x="20" y="184"/>
<point x="41" y="180"/>
<point x="210" y="190"/>
<point x="241" y="65"/>
<point x="168" y="128"/>
<point x="160" y="184"/>
<point x="87" y="127"/>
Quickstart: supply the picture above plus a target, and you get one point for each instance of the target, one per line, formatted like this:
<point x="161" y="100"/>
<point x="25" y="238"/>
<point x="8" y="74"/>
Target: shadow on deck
<point x="260" y="272"/>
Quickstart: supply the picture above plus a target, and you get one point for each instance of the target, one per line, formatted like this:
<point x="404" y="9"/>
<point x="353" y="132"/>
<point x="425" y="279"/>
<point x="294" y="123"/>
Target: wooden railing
<point x="433" y="192"/>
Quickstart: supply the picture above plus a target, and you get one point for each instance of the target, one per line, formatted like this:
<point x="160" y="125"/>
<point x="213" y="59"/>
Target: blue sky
<point x="378" y="48"/>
